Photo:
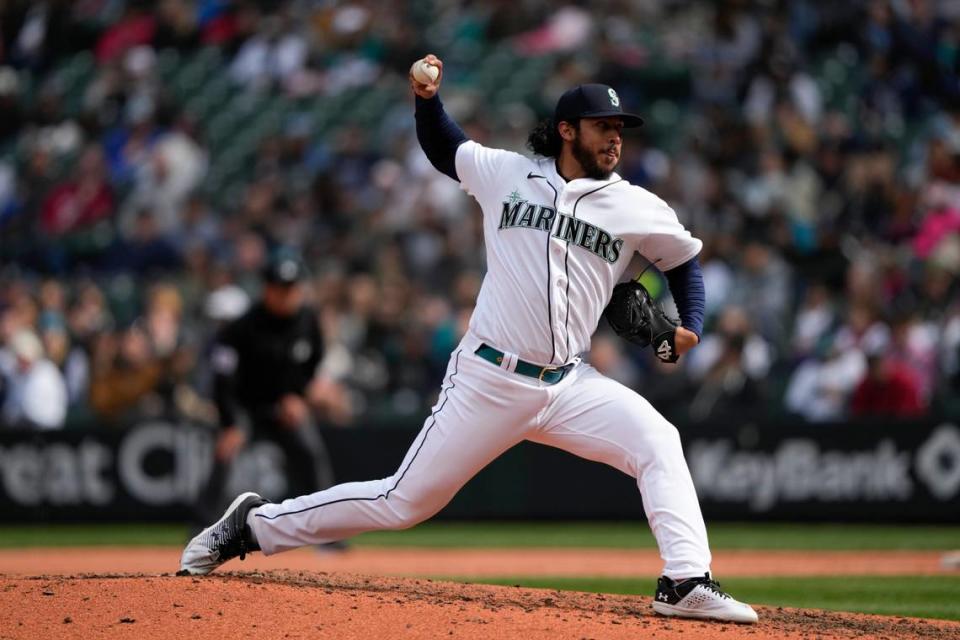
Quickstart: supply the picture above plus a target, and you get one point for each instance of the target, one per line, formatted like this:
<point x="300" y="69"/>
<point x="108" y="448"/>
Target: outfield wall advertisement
<point x="906" y="472"/>
<point x="864" y="472"/>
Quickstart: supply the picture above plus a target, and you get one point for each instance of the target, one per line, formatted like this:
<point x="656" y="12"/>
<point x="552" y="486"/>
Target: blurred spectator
<point x="81" y="201"/>
<point x="35" y="392"/>
<point x="765" y="192"/>
<point x="950" y="360"/>
<point x="815" y="318"/>
<point x="717" y="280"/>
<point x="163" y="321"/>
<point x="176" y="25"/>
<point x="72" y="361"/>
<point x="778" y="80"/>
<point x="731" y="43"/>
<point x="124" y="376"/>
<point x="142" y="370"/>
<point x="889" y="390"/>
<point x="198" y="226"/>
<point x="136" y="27"/>
<point x="146" y="250"/>
<point x="226" y="302"/>
<point x="12" y="116"/>
<point x="275" y="54"/>
<point x="565" y="30"/>
<point x="36" y="34"/>
<point x="88" y="315"/>
<point x="815" y="149"/>
<point x="862" y="330"/>
<point x="763" y="285"/>
<point x="819" y="389"/>
<point x="175" y="166"/>
<point x="728" y="388"/>
<point x="734" y="337"/>
<point x="914" y="348"/>
<point x="939" y="226"/>
<point x="51" y="128"/>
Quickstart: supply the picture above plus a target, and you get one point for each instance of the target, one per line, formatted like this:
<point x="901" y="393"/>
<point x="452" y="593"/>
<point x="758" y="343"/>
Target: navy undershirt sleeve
<point x="439" y="135"/>
<point x="686" y="285"/>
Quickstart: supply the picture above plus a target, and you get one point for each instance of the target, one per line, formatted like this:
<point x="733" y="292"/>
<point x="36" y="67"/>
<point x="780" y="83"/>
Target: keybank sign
<point x="155" y="470"/>
<point x="811" y="470"/>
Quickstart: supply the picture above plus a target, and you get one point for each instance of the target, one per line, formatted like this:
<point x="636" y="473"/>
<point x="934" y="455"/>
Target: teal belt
<point x="550" y="375"/>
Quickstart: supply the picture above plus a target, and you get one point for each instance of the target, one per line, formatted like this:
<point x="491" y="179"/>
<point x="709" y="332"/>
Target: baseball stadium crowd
<point x="814" y="147"/>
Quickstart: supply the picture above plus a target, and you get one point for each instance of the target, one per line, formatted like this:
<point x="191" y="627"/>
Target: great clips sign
<point x="149" y="471"/>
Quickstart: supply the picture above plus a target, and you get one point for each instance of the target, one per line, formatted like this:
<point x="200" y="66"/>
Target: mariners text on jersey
<point x="567" y="228"/>
<point x="555" y="248"/>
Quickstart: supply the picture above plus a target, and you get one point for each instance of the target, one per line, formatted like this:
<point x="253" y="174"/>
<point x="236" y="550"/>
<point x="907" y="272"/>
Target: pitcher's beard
<point x="588" y="161"/>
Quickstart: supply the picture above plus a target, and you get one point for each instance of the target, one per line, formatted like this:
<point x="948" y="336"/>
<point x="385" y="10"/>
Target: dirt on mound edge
<point x="286" y="604"/>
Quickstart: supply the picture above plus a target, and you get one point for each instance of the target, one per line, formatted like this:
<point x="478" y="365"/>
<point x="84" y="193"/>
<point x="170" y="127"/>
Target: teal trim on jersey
<point x="550" y="375"/>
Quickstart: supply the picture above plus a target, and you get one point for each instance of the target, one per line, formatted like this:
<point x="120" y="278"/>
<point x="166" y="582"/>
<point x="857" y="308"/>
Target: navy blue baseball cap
<point x="284" y="270"/>
<point x="593" y="101"/>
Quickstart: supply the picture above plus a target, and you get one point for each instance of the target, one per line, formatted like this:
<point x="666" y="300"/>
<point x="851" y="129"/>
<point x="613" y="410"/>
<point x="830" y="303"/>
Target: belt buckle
<point x="545" y="370"/>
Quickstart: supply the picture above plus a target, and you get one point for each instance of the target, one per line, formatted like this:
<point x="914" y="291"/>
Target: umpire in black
<point x="264" y="364"/>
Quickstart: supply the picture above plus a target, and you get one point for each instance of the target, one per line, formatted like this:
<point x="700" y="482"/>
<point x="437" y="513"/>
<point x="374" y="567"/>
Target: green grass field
<point x="607" y="535"/>
<point x="931" y="597"/>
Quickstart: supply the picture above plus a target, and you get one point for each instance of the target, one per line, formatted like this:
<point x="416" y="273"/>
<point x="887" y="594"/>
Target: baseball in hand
<point x="424" y="72"/>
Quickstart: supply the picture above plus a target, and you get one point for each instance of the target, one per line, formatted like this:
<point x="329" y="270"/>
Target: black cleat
<point x="226" y="538"/>
<point x="699" y="598"/>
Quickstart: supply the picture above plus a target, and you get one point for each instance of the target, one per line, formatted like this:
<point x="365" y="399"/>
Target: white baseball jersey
<point x="555" y="249"/>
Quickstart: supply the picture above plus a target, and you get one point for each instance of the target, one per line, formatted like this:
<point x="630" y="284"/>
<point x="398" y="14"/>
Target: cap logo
<point x="614" y="98"/>
<point x="288" y="270"/>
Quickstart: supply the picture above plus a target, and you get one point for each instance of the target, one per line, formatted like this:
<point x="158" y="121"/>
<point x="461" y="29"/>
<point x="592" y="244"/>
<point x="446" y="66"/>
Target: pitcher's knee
<point x="406" y="516"/>
<point x="670" y="436"/>
<point x="659" y="445"/>
<point x="406" y="512"/>
<point x="656" y="435"/>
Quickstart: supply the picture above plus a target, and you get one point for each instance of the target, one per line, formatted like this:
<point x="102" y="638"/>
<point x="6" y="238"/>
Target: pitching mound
<point x="319" y="605"/>
<point x="624" y="563"/>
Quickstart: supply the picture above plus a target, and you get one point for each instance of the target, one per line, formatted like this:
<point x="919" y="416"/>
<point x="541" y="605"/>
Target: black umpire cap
<point x="284" y="270"/>
<point x="593" y="101"/>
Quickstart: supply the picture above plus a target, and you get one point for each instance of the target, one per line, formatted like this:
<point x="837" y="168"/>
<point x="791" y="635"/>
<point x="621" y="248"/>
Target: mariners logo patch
<point x="301" y="350"/>
<point x="515" y="197"/>
<point x="614" y="98"/>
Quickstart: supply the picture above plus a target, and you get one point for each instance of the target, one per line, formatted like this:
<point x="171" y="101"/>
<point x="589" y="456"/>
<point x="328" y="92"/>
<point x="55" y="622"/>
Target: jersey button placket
<point x="559" y="265"/>
<point x="559" y="319"/>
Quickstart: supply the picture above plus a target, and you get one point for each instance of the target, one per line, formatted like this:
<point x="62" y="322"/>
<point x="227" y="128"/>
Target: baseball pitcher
<point x="560" y="229"/>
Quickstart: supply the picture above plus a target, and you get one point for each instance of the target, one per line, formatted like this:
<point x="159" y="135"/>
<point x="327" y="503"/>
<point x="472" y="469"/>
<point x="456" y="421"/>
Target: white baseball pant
<point x="481" y="412"/>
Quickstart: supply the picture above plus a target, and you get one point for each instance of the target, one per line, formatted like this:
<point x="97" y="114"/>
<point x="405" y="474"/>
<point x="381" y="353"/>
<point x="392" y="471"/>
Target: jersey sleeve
<point x="225" y="355"/>
<point x="479" y="168"/>
<point x="666" y="241"/>
<point x="225" y="360"/>
<point x="316" y="339"/>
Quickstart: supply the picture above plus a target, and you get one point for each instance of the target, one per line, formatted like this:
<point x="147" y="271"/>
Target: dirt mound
<point x="320" y="605"/>
<point x="626" y="563"/>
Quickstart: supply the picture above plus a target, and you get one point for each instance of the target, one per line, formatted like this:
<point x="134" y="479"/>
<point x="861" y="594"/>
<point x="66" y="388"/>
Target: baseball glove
<point x="636" y="317"/>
